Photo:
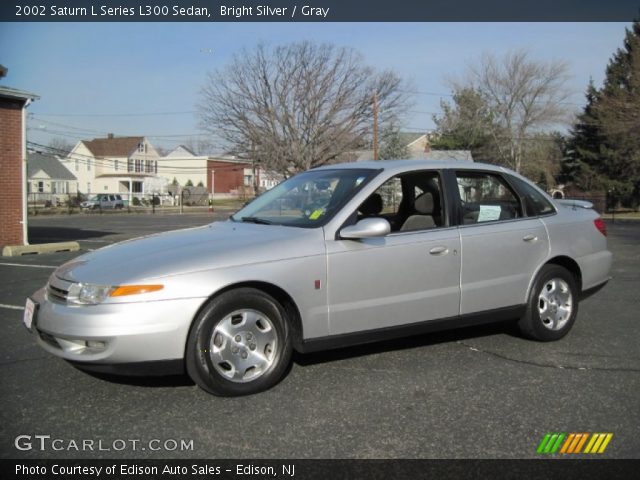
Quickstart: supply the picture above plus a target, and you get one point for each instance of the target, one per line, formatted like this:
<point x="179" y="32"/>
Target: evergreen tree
<point x="605" y="146"/>
<point x="392" y="145"/>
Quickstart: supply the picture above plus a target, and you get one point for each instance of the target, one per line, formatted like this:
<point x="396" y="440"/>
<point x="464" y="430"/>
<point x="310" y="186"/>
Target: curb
<point x="17" y="250"/>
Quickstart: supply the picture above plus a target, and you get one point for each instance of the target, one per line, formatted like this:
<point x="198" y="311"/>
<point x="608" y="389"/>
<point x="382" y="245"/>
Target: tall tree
<point x="297" y="106"/>
<point x="606" y="136"/>
<point x="393" y="146"/>
<point x="467" y="124"/>
<point x="523" y="97"/>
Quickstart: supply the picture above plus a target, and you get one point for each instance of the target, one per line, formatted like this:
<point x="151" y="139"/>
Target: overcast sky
<point x="144" y="78"/>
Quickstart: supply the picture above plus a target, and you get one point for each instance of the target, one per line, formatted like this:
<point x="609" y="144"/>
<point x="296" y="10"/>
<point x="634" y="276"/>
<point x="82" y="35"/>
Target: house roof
<point x="407" y="138"/>
<point x="14" y="93"/>
<point x="113" y="146"/>
<point x="49" y="165"/>
<point x="178" y="151"/>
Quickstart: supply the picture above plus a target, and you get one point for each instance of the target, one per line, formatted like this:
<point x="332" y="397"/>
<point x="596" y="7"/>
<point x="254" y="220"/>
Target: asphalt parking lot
<point x="472" y="393"/>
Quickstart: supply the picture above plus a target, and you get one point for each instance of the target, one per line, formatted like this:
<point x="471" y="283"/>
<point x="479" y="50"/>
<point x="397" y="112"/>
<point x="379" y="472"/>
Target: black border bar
<point x="321" y="11"/>
<point x="564" y="469"/>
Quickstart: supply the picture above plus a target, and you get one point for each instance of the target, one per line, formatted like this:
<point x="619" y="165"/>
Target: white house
<point x="183" y="166"/>
<point x="48" y="179"/>
<point x="125" y="165"/>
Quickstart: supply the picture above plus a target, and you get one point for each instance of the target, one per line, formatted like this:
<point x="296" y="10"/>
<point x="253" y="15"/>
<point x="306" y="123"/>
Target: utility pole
<point x="255" y="169"/>
<point x="375" y="125"/>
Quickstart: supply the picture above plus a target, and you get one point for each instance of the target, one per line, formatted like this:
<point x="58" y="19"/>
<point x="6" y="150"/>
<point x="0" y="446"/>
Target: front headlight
<point x="88" y="294"/>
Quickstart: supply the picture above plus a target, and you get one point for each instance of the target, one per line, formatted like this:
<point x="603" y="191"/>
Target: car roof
<point x="399" y="166"/>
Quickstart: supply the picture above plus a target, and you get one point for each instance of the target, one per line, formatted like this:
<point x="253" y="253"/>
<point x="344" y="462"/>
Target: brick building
<point x="13" y="154"/>
<point x="226" y="177"/>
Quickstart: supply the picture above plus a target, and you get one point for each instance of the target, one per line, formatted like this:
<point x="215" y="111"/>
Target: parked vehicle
<point x="103" y="200"/>
<point x="336" y="256"/>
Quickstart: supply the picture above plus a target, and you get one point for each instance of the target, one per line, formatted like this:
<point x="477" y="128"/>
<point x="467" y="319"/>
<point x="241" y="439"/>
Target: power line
<point x="146" y="114"/>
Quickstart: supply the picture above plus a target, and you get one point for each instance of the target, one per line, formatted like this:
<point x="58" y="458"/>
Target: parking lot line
<point x="11" y="307"/>
<point x="27" y="265"/>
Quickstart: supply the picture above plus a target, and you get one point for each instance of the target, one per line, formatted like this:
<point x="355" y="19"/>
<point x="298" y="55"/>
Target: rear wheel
<point x="239" y="344"/>
<point x="553" y="305"/>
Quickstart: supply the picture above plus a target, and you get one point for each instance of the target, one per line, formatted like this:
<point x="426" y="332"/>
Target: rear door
<point x="501" y="248"/>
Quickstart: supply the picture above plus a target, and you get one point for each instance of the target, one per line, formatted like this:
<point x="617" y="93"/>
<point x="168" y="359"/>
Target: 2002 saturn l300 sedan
<point x="335" y="256"/>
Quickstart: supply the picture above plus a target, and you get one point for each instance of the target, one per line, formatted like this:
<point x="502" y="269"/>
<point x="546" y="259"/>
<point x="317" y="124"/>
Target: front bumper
<point x="111" y="334"/>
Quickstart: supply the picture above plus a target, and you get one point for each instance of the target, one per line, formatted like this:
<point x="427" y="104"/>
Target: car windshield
<point x="306" y="200"/>
<point x="94" y="199"/>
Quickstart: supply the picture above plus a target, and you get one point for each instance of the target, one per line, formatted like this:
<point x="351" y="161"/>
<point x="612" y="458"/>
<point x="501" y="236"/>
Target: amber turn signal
<point x="134" y="290"/>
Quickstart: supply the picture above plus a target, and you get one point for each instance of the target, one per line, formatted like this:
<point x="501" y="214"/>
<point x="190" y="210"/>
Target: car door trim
<point x="332" y="342"/>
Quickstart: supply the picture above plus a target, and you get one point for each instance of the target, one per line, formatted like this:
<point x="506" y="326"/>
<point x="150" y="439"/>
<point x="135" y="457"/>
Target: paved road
<point x="478" y="393"/>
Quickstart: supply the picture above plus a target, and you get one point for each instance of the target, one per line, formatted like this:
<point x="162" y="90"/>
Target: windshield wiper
<point x="258" y="220"/>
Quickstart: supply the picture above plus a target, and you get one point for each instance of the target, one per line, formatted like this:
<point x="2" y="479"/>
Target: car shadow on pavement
<point x="329" y="355"/>
<point x="425" y="340"/>
<point x="62" y="234"/>
<point x="150" y="382"/>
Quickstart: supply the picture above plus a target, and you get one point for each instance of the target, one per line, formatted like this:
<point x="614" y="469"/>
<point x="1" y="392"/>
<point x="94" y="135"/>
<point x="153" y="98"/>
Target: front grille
<point x="56" y="293"/>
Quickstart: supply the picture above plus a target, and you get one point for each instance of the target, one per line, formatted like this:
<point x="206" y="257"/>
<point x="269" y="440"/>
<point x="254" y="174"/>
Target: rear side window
<point x="535" y="203"/>
<point x="486" y="197"/>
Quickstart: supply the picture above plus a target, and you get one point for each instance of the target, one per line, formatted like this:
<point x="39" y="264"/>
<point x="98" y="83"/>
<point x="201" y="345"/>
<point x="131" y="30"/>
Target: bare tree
<point x="297" y="106"/>
<point x="523" y="97"/>
<point x="61" y="147"/>
<point x="199" y="145"/>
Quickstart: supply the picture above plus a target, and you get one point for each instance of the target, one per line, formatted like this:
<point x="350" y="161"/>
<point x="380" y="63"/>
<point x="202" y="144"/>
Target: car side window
<point x="486" y="197"/>
<point x="409" y="202"/>
<point x="535" y="202"/>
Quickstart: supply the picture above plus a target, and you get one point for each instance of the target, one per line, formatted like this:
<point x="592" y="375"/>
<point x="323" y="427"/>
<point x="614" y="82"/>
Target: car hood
<point x="219" y="245"/>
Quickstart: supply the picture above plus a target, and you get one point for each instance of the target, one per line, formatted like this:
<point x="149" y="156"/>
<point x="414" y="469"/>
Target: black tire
<point x="202" y="337"/>
<point x="532" y="324"/>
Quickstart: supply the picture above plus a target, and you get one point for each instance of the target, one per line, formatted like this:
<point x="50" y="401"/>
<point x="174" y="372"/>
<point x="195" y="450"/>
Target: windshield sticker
<point x="316" y="214"/>
<point x="489" y="213"/>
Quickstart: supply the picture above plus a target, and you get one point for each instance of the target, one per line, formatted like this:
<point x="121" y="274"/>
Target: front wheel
<point x="239" y="344"/>
<point x="553" y="305"/>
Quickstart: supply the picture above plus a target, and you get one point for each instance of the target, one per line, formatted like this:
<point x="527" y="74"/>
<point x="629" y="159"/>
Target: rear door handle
<point x="530" y="238"/>
<point x="439" y="250"/>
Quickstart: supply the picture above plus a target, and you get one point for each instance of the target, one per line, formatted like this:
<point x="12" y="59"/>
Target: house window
<point x="142" y="148"/>
<point x="136" y="187"/>
<point x="115" y="165"/>
<point x="40" y="187"/>
<point x="88" y="187"/>
<point x="155" y="167"/>
<point x="138" y="164"/>
<point x="248" y="180"/>
<point x="88" y="165"/>
<point x="130" y="165"/>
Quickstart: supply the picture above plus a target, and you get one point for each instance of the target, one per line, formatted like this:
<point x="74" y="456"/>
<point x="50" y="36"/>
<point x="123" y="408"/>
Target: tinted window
<point x="535" y="202"/>
<point x="485" y="197"/>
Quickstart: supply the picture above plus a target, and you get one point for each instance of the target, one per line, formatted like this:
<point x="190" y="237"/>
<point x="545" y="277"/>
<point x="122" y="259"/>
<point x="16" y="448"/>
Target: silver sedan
<point x="335" y="256"/>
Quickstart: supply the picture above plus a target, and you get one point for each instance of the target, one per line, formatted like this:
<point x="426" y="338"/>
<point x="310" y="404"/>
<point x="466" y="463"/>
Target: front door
<point x="411" y="275"/>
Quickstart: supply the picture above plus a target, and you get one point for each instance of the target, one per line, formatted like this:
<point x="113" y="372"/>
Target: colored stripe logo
<point x="573" y="443"/>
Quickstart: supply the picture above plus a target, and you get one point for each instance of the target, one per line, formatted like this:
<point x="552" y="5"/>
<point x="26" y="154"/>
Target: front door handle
<point x="440" y="250"/>
<point x="530" y="238"/>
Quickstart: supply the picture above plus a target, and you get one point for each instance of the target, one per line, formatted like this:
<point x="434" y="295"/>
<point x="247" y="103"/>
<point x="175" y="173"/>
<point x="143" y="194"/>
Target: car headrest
<point x="424" y="203"/>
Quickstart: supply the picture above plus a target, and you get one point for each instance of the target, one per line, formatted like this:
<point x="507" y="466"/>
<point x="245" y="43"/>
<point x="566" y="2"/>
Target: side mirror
<point x="366" y="228"/>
